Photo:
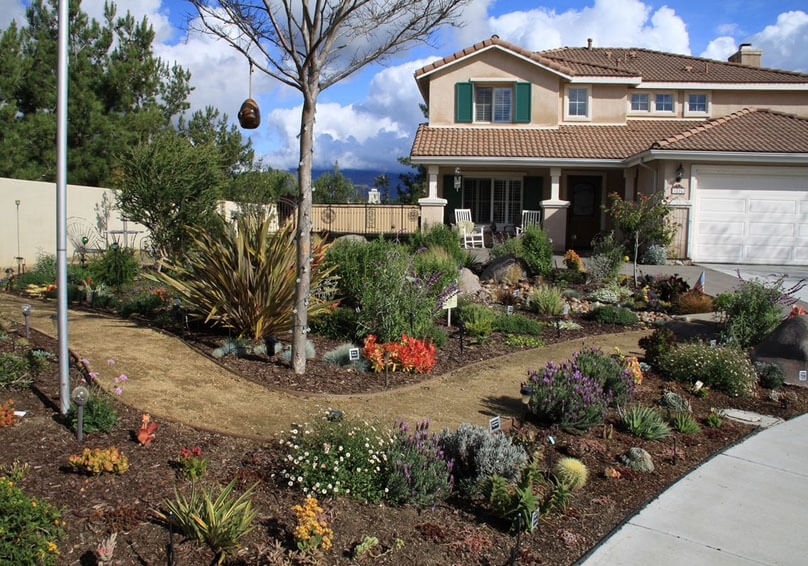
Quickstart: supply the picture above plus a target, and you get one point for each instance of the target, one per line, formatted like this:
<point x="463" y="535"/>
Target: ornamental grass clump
<point x="546" y="300"/>
<point x="335" y="458"/>
<point x="418" y="471"/>
<point x="564" y="396"/>
<point x="724" y="368"/>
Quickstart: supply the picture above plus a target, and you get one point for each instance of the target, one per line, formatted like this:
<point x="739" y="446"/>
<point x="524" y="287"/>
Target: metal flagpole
<point x="61" y="206"/>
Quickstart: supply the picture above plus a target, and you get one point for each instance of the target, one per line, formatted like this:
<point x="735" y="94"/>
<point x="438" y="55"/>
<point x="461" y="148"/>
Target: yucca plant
<point x="685" y="423"/>
<point x="245" y="278"/>
<point x="219" y="522"/>
<point x="645" y="422"/>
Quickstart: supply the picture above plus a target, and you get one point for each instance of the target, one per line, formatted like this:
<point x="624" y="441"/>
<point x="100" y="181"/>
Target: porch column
<point x="554" y="212"/>
<point x="628" y="189"/>
<point x="431" y="205"/>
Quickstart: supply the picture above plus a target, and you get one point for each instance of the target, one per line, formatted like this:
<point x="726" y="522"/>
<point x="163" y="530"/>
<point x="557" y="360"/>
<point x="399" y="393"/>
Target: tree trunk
<point x="636" y="251"/>
<point x="303" y="287"/>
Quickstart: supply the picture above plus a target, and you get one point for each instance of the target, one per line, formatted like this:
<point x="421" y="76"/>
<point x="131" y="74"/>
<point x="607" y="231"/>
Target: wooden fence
<point x="366" y="218"/>
<point x="680" y="216"/>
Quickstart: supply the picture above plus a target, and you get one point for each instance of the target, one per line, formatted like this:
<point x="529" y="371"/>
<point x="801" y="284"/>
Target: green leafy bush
<point x="439" y="235"/>
<point x="418" y="471"/>
<point x="685" y="423"/>
<point x="644" y="421"/>
<point x="606" y="260"/>
<point x="724" y="368"/>
<point x="334" y="458"/>
<point x="537" y="251"/>
<point x="479" y="319"/>
<point x="657" y="345"/>
<point x="338" y="323"/>
<point x="43" y="272"/>
<point x="144" y="303"/>
<point x="613" y="378"/>
<point x="713" y="420"/>
<point x="29" y="527"/>
<point x="609" y="314"/>
<point x="354" y="263"/>
<point x="478" y="454"/>
<point x="217" y="519"/>
<point x="437" y="335"/>
<point x="770" y="375"/>
<point x="751" y="312"/>
<point x="655" y="255"/>
<point x="99" y="413"/>
<point x="509" y="246"/>
<point x="611" y="293"/>
<point x="546" y="300"/>
<point x="116" y="267"/>
<point x="14" y="371"/>
<point x="523" y="341"/>
<point x="518" y="324"/>
<point x="435" y="263"/>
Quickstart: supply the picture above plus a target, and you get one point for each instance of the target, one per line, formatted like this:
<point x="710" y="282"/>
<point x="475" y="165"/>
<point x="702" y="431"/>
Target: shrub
<point x="310" y="352"/>
<point x="335" y="458"/>
<point x="644" y="421"/>
<point x="437" y="335"/>
<point x="418" y="471"/>
<point x="478" y="454"/>
<point x="510" y="246"/>
<point x="751" y="312"/>
<point x="191" y="463"/>
<point x="144" y="303"/>
<point x="116" y="267"/>
<point x="655" y="255"/>
<point x="664" y="288"/>
<point x="231" y="347"/>
<point x="571" y="472"/>
<point x="409" y="355"/>
<point x="685" y="423"/>
<point x="573" y="261"/>
<point x="439" y="235"/>
<point x="722" y="367"/>
<point x="770" y="375"/>
<point x="609" y="314"/>
<point x="339" y="356"/>
<point x="338" y="323"/>
<point x="546" y="300"/>
<point x="219" y="520"/>
<point x="657" y="345"/>
<point x="522" y="341"/>
<point x="99" y="413"/>
<point x="478" y="319"/>
<point x="244" y="279"/>
<point x="311" y="530"/>
<point x="354" y="263"/>
<point x="569" y="277"/>
<point x="713" y="420"/>
<point x="613" y="378"/>
<point x="517" y="324"/>
<point x="14" y="372"/>
<point x="537" y="251"/>
<point x="7" y="417"/>
<point x="606" y="260"/>
<point x="611" y="293"/>
<point x="97" y="460"/>
<point x="435" y="262"/>
<point x="563" y="395"/>
<point x="693" y="301"/>
<point x="29" y="527"/>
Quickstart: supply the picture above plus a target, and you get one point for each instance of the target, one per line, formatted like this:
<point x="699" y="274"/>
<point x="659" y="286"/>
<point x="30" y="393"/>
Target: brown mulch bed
<point x="456" y="532"/>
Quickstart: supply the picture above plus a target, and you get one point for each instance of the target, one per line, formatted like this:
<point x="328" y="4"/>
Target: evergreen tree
<point x="334" y="188"/>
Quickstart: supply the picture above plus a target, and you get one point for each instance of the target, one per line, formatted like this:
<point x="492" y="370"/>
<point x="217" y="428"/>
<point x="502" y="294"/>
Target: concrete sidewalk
<point x="745" y="506"/>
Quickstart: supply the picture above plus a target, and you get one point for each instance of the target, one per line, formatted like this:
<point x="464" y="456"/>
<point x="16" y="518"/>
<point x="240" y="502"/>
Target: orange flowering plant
<point x="410" y="354"/>
<point x="311" y="531"/>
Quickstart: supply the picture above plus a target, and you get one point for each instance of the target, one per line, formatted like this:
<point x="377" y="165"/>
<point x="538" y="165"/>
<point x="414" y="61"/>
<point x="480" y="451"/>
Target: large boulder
<point x="787" y="347"/>
<point x="351" y="238"/>
<point x="506" y="269"/>
<point x="468" y="283"/>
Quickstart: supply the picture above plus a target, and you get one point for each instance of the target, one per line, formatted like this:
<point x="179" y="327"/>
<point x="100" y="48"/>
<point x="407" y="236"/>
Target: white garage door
<point x="750" y="215"/>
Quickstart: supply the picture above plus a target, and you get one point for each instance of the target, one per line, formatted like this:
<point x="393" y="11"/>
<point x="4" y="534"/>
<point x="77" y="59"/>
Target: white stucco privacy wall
<point x="37" y="219"/>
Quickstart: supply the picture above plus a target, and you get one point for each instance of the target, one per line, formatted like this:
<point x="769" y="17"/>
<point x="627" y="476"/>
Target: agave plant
<point x="245" y="278"/>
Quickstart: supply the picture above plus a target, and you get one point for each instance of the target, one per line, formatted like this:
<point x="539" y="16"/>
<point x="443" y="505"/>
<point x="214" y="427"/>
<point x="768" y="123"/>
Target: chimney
<point x="746" y="55"/>
<point x="589" y="43"/>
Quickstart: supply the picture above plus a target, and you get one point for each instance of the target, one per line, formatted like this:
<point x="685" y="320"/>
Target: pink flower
<point x="111" y="362"/>
<point x="94" y="374"/>
<point x="117" y="391"/>
<point x="85" y="361"/>
<point x="123" y="377"/>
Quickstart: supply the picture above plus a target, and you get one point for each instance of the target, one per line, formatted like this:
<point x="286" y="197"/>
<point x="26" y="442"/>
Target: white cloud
<point x="612" y="23"/>
<point x="720" y="48"/>
<point x="151" y="9"/>
<point x="785" y="43"/>
<point x="14" y="11"/>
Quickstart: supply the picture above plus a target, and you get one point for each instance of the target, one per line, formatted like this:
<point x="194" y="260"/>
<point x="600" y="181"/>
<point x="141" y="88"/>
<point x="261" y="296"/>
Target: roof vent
<point x="495" y="36"/>
<point x="589" y="43"/>
<point x="689" y="68"/>
<point x="747" y="55"/>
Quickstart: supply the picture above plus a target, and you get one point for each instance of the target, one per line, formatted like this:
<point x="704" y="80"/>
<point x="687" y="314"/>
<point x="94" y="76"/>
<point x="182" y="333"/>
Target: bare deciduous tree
<point x="311" y="45"/>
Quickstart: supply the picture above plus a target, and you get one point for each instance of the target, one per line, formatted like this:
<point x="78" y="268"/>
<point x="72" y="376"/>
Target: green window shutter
<point x="464" y="101"/>
<point x="521" y="102"/>
<point x="454" y="198"/>
<point x="533" y="193"/>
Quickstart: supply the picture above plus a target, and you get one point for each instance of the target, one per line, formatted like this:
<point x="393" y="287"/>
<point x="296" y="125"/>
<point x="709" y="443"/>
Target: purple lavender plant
<point x="563" y="395"/>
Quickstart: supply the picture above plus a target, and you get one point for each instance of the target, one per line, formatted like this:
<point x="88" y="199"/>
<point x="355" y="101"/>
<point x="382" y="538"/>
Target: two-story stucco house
<point x="558" y="130"/>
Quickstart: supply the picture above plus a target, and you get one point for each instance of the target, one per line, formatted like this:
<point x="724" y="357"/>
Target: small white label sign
<point x="494" y="424"/>
<point x="353" y="354"/>
<point x="509" y="309"/>
<point x="803" y="375"/>
<point x="451" y="301"/>
<point x="534" y="520"/>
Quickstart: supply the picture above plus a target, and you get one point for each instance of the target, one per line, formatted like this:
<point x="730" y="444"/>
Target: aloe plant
<point x="245" y="278"/>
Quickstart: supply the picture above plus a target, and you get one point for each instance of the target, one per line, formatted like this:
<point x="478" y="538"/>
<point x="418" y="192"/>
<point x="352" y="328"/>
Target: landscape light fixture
<point x="26" y="312"/>
<point x="80" y="396"/>
<point x="527" y="393"/>
<point x="680" y="172"/>
<point x="458" y="179"/>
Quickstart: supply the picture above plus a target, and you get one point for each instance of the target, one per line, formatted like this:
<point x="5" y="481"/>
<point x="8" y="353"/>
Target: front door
<point x="584" y="211"/>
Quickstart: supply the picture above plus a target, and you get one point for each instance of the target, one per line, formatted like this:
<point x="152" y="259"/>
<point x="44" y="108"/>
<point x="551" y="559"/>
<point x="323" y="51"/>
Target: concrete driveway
<point x="768" y="273"/>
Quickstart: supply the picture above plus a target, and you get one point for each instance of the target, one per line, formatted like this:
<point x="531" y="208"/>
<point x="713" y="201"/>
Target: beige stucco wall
<point x="726" y="102"/>
<point x="37" y="213"/>
<point x="608" y="104"/>
<point x="494" y="64"/>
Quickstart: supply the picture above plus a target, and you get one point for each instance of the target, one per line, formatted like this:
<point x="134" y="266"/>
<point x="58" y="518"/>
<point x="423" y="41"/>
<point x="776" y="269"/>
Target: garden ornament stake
<point x="80" y="396"/>
<point x="249" y="116"/>
<point x="26" y="312"/>
<point x="170" y="552"/>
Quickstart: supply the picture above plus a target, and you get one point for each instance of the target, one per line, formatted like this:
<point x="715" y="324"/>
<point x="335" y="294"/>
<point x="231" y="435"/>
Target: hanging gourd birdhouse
<point x="249" y="116"/>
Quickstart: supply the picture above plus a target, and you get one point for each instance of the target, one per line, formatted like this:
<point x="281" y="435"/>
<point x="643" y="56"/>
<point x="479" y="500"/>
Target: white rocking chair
<point x="529" y="218"/>
<point x="472" y="235"/>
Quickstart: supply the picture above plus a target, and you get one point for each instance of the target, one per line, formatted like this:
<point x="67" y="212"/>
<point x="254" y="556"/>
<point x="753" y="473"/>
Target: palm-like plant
<point x="245" y="278"/>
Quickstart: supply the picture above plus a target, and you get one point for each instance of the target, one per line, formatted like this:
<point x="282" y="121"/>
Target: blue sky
<point x="369" y="119"/>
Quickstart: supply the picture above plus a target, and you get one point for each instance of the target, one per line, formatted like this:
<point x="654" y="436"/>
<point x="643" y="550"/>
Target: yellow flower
<point x="52" y="547"/>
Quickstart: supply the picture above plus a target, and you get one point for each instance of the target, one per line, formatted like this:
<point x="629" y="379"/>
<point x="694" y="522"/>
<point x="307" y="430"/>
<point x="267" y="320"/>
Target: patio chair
<point x="529" y="218"/>
<point x="472" y="235"/>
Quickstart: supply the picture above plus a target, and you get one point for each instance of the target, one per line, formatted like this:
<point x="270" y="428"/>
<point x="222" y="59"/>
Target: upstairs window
<point x="487" y="103"/>
<point x="578" y="102"/>
<point x="663" y="103"/>
<point x="697" y="103"/>
<point x="640" y="102"/>
<point x="482" y="103"/>
<point x="492" y="104"/>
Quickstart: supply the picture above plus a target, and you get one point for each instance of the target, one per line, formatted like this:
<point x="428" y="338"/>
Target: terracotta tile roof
<point x="656" y="66"/>
<point x="746" y="130"/>
<point x="566" y="142"/>
<point x="572" y="68"/>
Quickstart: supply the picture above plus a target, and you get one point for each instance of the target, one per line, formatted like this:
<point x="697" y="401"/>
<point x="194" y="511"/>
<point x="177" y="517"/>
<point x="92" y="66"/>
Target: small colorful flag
<point x="699" y="286"/>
